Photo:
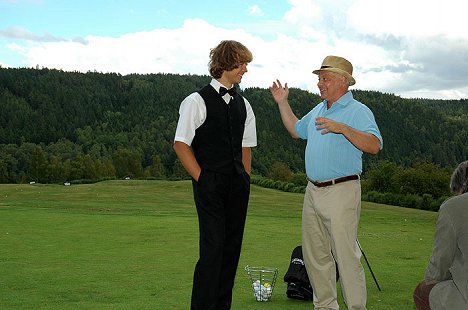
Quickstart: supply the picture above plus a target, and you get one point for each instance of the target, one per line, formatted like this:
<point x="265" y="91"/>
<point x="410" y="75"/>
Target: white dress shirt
<point x="192" y="114"/>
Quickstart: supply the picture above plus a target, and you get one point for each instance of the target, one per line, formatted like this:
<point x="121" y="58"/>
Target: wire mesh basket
<point x="263" y="281"/>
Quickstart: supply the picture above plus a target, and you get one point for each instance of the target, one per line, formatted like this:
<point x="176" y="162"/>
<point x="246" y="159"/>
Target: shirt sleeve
<point x="192" y="114"/>
<point x="250" y="129"/>
<point x="444" y="249"/>
<point x="368" y="124"/>
<point x="302" y="125"/>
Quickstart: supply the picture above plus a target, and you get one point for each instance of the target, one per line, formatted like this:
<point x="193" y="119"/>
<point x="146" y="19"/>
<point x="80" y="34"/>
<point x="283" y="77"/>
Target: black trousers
<point x="221" y="202"/>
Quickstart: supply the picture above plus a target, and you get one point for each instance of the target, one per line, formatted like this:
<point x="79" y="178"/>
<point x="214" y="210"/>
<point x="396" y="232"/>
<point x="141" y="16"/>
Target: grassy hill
<point x="133" y="245"/>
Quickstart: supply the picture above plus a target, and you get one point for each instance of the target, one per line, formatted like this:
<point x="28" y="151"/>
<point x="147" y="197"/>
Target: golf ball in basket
<point x="262" y="292"/>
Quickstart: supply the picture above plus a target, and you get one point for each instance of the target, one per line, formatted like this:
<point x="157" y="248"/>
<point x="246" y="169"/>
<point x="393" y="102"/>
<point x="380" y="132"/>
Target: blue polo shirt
<point x="331" y="155"/>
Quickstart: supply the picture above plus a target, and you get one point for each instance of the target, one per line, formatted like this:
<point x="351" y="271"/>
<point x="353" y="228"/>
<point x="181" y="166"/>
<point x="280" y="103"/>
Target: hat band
<point x="324" y="67"/>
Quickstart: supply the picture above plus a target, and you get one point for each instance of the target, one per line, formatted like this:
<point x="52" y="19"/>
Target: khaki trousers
<point x="330" y="219"/>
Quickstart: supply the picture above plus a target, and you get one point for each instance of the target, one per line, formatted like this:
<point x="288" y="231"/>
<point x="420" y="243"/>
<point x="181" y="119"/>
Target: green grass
<point x="133" y="245"/>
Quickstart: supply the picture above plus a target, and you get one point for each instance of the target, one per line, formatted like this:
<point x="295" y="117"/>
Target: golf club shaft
<point x="368" y="265"/>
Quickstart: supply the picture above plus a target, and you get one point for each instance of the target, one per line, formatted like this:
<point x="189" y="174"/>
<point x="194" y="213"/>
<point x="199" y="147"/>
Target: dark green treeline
<point x="57" y="126"/>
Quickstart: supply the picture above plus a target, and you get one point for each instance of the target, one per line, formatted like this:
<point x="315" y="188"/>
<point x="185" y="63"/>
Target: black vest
<point x="218" y="141"/>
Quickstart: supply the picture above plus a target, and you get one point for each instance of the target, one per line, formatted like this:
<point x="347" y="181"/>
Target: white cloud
<point x="21" y="33"/>
<point x="255" y="10"/>
<point x="411" y="17"/>
<point x="389" y="52"/>
<point x="183" y="50"/>
<point x="408" y="47"/>
<point x="302" y="10"/>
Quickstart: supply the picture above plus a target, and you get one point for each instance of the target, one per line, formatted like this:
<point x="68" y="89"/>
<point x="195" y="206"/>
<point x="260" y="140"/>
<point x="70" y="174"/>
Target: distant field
<point x="133" y="245"/>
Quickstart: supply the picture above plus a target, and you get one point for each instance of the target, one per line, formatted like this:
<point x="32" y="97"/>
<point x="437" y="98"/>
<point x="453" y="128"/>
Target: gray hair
<point x="459" y="179"/>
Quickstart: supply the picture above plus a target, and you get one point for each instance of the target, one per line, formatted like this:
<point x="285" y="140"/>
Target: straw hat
<point x="339" y="65"/>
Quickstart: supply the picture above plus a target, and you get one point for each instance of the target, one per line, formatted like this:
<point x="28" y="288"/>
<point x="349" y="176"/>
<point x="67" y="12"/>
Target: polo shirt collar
<point x="343" y="100"/>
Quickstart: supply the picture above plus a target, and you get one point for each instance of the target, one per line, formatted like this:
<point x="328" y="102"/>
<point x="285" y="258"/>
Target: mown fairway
<point x="133" y="245"/>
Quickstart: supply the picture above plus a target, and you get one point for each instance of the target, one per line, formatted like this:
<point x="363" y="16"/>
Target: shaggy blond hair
<point x="226" y="56"/>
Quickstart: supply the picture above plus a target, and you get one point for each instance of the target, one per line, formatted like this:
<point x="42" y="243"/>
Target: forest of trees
<point x="60" y="126"/>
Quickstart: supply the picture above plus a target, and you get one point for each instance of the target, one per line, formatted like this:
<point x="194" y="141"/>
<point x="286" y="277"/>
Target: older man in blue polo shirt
<point x="338" y="130"/>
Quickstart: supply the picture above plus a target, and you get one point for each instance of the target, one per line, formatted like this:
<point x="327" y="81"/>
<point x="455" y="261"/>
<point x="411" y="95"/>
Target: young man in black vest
<point x="215" y="132"/>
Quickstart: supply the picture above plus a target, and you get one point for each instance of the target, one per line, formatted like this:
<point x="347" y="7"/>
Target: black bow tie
<point x="223" y="91"/>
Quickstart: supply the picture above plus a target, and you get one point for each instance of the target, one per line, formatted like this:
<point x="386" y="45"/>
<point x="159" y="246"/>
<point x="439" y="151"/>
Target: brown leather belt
<point x="335" y="181"/>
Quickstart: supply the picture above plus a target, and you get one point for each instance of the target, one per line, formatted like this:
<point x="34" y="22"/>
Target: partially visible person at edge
<point x="338" y="130"/>
<point x="445" y="284"/>
<point x="213" y="140"/>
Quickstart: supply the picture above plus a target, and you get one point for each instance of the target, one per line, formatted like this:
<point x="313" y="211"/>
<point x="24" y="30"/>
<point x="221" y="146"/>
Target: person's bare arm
<point x="364" y="141"/>
<point x="185" y="154"/>
<point x="280" y="94"/>
<point x="247" y="159"/>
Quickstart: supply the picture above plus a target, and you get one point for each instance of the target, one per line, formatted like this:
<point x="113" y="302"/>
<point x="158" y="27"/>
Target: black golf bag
<point x="298" y="281"/>
<point x="297" y="278"/>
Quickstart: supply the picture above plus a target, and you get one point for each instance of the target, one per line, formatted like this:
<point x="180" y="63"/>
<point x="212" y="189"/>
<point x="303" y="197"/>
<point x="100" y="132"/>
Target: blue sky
<point x="412" y="48"/>
<point x="117" y="17"/>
